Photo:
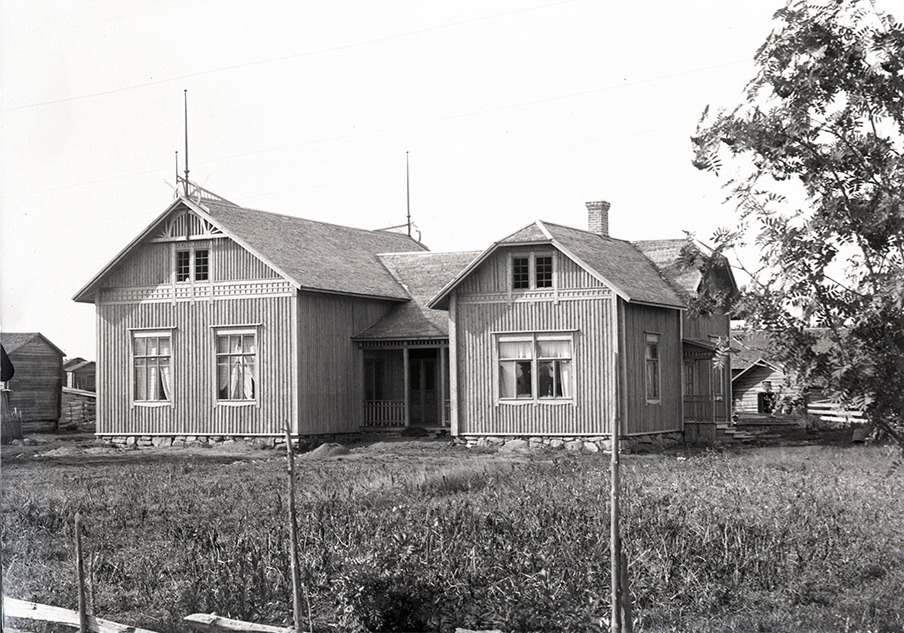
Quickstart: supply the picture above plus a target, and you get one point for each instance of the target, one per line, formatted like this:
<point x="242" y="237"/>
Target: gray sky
<point x="511" y="111"/>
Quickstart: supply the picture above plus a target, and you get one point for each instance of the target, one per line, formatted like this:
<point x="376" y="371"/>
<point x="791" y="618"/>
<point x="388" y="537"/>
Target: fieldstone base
<point x="575" y="444"/>
<point x="303" y="443"/>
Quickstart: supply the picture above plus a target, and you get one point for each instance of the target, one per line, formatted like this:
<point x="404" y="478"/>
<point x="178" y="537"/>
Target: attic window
<point x="520" y="273"/>
<point x="531" y="271"/>
<point x="193" y="265"/>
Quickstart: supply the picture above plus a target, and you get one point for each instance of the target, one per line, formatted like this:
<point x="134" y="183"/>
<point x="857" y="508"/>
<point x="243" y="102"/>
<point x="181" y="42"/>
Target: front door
<point x="423" y="402"/>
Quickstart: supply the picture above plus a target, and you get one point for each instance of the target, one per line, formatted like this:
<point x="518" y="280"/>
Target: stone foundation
<point x="304" y="442"/>
<point x="575" y="444"/>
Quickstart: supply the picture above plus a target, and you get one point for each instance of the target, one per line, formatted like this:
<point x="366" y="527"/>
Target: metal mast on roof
<point x="408" y="193"/>
<point x="185" y="93"/>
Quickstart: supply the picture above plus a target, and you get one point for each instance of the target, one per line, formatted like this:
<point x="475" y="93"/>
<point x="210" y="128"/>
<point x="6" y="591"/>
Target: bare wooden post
<point x="293" y="535"/>
<point x="80" y="570"/>
<point x="614" y="541"/>
<point x="626" y="609"/>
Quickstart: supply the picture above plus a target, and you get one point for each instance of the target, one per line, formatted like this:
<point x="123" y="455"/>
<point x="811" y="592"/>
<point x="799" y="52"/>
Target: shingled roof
<point x="666" y="254"/>
<point x="312" y="255"/>
<point x="422" y="275"/>
<point x="14" y="340"/>
<point x="317" y="255"/>
<point x="616" y="263"/>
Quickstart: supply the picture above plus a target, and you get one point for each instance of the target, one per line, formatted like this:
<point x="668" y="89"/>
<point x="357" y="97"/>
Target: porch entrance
<point x="423" y="401"/>
<point x="704" y="384"/>
<point x="406" y="383"/>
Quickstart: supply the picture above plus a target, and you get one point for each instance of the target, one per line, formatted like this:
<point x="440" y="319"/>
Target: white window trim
<point x="150" y="332"/>
<point x="531" y="257"/>
<point x="649" y="337"/>
<point x="533" y="338"/>
<point x="192" y="249"/>
<point x="227" y="330"/>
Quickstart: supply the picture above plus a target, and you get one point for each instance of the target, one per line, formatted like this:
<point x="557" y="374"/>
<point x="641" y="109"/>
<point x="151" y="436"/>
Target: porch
<point x="704" y="393"/>
<point x="406" y="384"/>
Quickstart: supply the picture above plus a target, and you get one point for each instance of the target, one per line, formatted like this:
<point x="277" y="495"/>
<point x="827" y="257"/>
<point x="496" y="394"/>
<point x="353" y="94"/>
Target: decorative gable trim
<point x="160" y="227"/>
<point x="186" y="226"/>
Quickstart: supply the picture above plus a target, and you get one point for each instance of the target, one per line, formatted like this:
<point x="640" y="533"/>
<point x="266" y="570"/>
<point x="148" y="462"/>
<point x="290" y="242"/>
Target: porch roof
<point x="422" y="275"/>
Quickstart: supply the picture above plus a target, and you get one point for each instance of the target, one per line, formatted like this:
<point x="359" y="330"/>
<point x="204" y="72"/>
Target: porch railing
<point x="384" y="412"/>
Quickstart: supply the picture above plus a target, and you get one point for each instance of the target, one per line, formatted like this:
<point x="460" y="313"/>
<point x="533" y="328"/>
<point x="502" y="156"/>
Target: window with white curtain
<point x="152" y="353"/>
<point x="236" y="365"/>
<point x="535" y="366"/>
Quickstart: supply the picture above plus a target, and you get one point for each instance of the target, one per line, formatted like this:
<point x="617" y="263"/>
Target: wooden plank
<point x="13" y="608"/>
<point x="216" y="624"/>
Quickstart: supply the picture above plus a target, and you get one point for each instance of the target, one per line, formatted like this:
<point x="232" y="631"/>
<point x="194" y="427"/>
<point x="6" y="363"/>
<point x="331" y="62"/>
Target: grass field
<point x="425" y="536"/>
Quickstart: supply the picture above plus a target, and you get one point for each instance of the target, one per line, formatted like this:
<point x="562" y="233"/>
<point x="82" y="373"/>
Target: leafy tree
<point x="817" y="157"/>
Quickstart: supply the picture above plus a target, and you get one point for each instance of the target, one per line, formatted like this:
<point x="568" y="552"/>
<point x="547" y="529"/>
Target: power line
<point x="383" y="130"/>
<point x="272" y="60"/>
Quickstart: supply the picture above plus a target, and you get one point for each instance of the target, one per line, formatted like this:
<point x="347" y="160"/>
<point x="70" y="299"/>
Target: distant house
<point x="36" y="387"/>
<point x="79" y="374"/>
<point x="762" y="385"/>
<point x="218" y="320"/>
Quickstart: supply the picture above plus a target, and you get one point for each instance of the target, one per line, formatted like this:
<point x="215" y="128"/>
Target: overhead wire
<point x="260" y="62"/>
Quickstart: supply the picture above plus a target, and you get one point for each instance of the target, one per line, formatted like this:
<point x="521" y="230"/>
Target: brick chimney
<point x="598" y="217"/>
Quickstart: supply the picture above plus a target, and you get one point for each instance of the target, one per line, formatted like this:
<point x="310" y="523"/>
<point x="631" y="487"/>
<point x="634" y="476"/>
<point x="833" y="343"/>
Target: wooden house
<point x="556" y="331"/>
<point x="35" y="390"/>
<point x="761" y="385"/>
<point x="219" y="320"/>
<point x="707" y="384"/>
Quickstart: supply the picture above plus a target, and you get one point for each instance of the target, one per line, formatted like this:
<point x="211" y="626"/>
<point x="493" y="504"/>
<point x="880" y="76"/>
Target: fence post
<point x="293" y="534"/>
<point x="80" y="570"/>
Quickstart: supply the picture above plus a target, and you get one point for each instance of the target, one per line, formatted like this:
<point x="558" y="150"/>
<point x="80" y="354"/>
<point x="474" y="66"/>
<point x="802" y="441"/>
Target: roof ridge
<point x="295" y="217"/>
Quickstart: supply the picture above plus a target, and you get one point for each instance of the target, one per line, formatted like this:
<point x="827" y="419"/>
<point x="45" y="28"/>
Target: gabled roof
<point x="77" y="364"/>
<point x="422" y="275"/>
<point x="751" y="348"/>
<point x="667" y="256"/>
<point x="14" y="340"/>
<point x="317" y="255"/>
<point x="311" y="255"/>
<point x="615" y="263"/>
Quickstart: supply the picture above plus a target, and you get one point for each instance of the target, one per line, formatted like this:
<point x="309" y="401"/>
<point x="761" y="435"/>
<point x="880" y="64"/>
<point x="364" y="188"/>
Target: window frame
<point x="652" y="339"/>
<point x="532" y="258"/>
<point x="191" y="271"/>
<point x="227" y="332"/>
<point x="535" y="360"/>
<point x="148" y="333"/>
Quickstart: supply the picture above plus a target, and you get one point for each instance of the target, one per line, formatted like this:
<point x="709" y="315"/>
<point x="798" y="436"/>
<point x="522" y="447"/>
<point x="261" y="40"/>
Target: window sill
<point x="152" y="403"/>
<point x="236" y="403"/>
<point x="654" y="403"/>
<point x="523" y="401"/>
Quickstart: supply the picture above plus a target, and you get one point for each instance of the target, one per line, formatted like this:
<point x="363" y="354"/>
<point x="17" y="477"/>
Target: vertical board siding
<point x="150" y="264"/>
<point x="593" y="407"/>
<point x="194" y="409"/>
<point x="641" y="417"/>
<point x="701" y="328"/>
<point x="330" y="364"/>
<point x="493" y="274"/>
<point x="229" y="261"/>
<point x="36" y="387"/>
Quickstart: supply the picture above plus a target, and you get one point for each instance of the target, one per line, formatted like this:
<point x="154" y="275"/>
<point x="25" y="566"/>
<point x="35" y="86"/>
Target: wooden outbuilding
<point x="35" y="390"/>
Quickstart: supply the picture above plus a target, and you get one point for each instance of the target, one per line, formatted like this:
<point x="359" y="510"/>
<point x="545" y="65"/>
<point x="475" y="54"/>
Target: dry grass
<point x="421" y="536"/>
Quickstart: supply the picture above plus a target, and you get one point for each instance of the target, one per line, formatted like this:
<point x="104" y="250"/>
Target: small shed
<point x="79" y="374"/>
<point x="35" y="390"/>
